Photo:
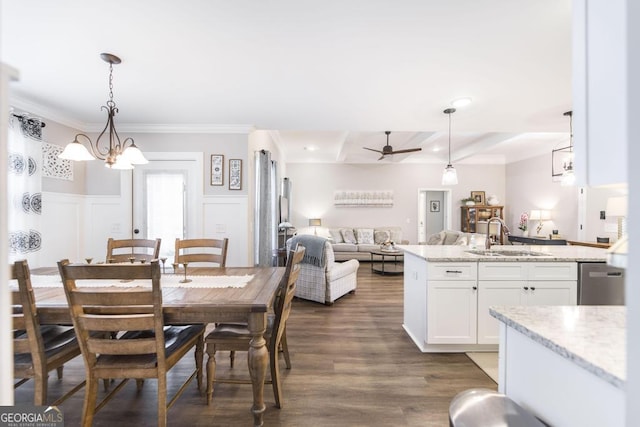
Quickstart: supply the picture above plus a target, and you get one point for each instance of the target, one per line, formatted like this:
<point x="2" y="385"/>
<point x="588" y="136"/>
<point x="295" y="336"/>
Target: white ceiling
<point x="331" y="74"/>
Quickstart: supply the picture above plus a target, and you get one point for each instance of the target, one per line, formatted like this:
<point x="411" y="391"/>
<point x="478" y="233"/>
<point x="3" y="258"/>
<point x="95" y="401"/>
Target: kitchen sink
<point x="506" y="253"/>
<point x="483" y="252"/>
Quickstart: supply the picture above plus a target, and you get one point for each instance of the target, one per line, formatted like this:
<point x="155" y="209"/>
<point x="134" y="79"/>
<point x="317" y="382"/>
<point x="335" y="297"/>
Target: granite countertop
<point x="448" y="253"/>
<point x="592" y="337"/>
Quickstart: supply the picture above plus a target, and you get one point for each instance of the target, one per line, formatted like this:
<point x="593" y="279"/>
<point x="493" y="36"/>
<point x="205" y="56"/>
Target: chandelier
<point x="117" y="154"/>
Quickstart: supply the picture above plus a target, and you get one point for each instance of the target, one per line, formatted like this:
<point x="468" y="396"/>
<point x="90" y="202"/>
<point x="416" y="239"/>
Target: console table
<point x="536" y="240"/>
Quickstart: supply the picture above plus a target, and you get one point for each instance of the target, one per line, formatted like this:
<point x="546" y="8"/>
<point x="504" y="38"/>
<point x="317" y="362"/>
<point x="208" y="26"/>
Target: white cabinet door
<point x="552" y="292"/>
<point x="451" y="312"/>
<point x="494" y="293"/>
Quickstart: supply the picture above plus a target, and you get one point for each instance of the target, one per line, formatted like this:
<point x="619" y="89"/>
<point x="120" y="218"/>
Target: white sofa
<point x="453" y="237"/>
<point x="362" y="240"/>
<point x="323" y="280"/>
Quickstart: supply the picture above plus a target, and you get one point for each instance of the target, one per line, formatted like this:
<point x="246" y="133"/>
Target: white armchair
<point x="322" y="279"/>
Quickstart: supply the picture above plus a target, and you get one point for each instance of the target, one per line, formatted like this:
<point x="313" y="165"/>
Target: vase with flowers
<point x="524" y="224"/>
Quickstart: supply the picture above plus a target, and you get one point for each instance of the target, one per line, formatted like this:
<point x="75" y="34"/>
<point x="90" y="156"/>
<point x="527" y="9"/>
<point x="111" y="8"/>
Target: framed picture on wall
<point x="235" y="174"/>
<point x="478" y="197"/>
<point x="217" y="169"/>
<point x="434" y="206"/>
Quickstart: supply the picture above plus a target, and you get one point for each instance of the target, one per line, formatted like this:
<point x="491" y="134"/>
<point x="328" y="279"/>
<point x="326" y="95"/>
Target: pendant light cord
<point x="449" y="138"/>
<point x="570" y="114"/>
<point x="449" y="112"/>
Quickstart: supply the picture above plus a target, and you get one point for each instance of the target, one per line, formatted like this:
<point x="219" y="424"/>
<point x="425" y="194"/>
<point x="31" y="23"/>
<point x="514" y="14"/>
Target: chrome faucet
<point x="503" y="229"/>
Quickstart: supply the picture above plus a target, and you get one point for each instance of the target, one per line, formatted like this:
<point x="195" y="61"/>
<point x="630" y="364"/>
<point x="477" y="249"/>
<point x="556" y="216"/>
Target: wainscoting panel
<point x="105" y="216"/>
<point x="61" y="228"/>
<point x="228" y="217"/>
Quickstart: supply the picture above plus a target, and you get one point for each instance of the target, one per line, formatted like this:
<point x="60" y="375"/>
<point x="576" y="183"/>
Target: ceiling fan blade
<point x="408" y="150"/>
<point x="371" y="149"/>
<point x="382" y="157"/>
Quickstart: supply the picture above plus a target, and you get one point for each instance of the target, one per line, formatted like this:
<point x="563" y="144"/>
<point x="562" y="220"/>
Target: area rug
<point x="488" y="362"/>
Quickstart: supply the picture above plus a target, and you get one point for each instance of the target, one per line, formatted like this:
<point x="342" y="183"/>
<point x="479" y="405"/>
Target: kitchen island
<point x="567" y="365"/>
<point x="448" y="289"/>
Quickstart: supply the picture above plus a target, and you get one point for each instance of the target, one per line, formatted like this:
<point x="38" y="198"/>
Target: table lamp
<point x="315" y="223"/>
<point x="540" y="215"/>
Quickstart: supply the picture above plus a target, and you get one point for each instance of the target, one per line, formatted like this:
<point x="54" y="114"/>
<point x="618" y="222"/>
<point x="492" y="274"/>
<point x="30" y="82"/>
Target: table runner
<point x="167" y="281"/>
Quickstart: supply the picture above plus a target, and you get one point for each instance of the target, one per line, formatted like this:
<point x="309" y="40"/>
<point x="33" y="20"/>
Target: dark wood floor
<point x="353" y="365"/>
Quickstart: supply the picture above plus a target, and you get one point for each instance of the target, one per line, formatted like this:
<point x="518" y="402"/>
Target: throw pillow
<point x="336" y="236"/>
<point x="450" y="237"/>
<point x="436" y="239"/>
<point x="379" y="237"/>
<point x="348" y="236"/>
<point x="364" y="236"/>
<point x="461" y="241"/>
<point x="396" y="235"/>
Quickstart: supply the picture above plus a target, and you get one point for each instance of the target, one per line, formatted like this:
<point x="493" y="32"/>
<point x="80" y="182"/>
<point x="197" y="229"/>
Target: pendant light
<point x="568" y="176"/>
<point x="449" y="175"/>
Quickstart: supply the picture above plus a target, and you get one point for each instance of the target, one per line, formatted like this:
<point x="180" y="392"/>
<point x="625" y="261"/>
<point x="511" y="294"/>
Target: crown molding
<point x="36" y="109"/>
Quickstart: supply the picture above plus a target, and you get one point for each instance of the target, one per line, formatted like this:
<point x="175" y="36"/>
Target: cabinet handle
<point x="475" y="288"/>
<point x="526" y="288"/>
<point x="454" y="271"/>
<point x="533" y="288"/>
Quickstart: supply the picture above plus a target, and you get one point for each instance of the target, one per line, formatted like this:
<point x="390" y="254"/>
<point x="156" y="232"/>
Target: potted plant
<point x="468" y="201"/>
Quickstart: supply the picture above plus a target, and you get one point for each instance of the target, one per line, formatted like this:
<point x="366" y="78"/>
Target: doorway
<point x="166" y="197"/>
<point x="434" y="212"/>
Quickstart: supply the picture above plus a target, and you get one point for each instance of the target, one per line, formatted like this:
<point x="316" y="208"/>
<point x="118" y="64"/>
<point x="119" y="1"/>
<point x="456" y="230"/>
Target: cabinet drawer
<point x="553" y="271"/>
<point x="502" y="270"/>
<point x="452" y="271"/>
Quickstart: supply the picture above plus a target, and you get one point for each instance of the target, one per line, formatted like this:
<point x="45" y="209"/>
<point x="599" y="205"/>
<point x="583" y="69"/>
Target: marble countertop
<point x="447" y="253"/>
<point x="592" y="337"/>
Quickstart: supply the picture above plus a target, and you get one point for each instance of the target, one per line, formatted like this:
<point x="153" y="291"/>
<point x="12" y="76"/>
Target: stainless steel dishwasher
<point x="600" y="284"/>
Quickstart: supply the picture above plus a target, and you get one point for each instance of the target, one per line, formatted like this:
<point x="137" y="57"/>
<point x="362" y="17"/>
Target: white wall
<point x="529" y="186"/>
<point x="314" y="186"/>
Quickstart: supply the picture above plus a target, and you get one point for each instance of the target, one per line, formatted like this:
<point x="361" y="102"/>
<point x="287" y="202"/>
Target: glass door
<point x="166" y="201"/>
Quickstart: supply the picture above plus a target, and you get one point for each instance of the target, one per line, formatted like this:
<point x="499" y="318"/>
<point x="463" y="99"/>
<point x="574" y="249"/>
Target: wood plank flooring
<point x="353" y="365"/>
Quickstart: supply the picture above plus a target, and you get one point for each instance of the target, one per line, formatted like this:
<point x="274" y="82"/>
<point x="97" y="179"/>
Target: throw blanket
<point x="314" y="248"/>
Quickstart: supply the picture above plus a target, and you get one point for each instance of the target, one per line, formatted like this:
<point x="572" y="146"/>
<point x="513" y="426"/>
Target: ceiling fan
<point x="388" y="150"/>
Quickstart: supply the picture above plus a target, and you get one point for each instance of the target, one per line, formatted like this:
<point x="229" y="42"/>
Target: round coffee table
<point x="384" y="265"/>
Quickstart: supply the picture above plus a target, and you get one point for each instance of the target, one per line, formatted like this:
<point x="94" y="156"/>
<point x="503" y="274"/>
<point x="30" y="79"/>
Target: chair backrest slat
<point x="107" y="299"/>
<point x="21" y="345"/>
<point x="208" y="250"/>
<point x="116" y="347"/>
<point x="141" y="249"/>
<point x="134" y="322"/>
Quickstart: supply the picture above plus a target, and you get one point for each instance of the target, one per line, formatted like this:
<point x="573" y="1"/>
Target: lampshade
<point x="315" y="222"/>
<point x="617" y="206"/>
<point x="76" y="151"/>
<point x="540" y="215"/>
<point x="449" y="176"/>
<point x="285" y="225"/>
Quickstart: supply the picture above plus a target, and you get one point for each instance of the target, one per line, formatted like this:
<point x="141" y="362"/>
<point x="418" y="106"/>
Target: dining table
<point x="247" y="301"/>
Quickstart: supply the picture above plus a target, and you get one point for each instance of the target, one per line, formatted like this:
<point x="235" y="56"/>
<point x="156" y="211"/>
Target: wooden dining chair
<point x="123" y="250"/>
<point x="201" y="250"/>
<point x="144" y="348"/>
<point x="38" y="349"/>
<point x="236" y="337"/>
